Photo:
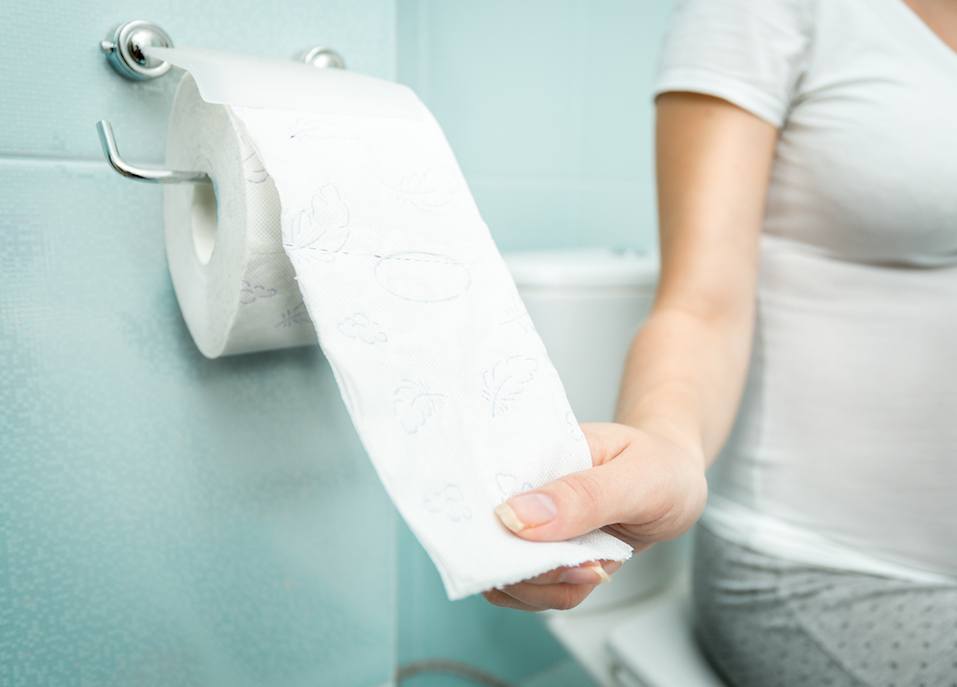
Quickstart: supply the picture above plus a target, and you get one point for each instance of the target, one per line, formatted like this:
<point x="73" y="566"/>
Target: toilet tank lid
<point x="585" y="267"/>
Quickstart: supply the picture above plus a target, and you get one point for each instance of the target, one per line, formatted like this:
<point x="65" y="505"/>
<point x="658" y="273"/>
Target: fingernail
<point x="527" y="510"/>
<point x="610" y="567"/>
<point x="600" y="571"/>
<point x="587" y="574"/>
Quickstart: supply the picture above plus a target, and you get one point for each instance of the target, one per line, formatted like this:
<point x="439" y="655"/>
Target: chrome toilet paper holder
<point x="150" y="175"/>
<point x="124" y="50"/>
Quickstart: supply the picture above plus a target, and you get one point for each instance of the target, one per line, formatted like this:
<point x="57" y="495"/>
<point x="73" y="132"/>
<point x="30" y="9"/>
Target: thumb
<point x="575" y="504"/>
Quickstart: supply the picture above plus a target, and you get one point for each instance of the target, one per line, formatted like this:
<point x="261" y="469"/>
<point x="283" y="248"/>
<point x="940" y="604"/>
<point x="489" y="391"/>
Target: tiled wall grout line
<point x="48" y="160"/>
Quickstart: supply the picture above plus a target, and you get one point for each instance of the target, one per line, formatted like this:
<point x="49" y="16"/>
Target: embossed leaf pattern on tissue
<point x="293" y="316"/>
<point x="416" y="179"/>
<point x="505" y="383"/>
<point x="448" y="501"/>
<point x="422" y="277"/>
<point x="250" y="293"/>
<point x="359" y="326"/>
<point x="508" y="485"/>
<point x="323" y="227"/>
<point x="422" y="189"/>
<point x="414" y="404"/>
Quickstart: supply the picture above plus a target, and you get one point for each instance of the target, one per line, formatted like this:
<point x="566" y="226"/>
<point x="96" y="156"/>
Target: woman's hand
<point x="645" y="487"/>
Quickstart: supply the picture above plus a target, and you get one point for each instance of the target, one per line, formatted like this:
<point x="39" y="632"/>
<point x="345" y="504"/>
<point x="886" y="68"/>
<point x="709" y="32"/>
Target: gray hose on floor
<point x="463" y="670"/>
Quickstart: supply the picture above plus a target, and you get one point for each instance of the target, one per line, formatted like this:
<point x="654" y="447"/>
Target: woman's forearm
<point x="684" y="375"/>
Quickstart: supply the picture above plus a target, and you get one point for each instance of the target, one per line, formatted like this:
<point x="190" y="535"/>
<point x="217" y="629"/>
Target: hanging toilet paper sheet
<point x="448" y="384"/>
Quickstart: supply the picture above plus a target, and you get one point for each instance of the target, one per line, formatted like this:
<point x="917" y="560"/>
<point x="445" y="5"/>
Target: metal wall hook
<point x="150" y="175"/>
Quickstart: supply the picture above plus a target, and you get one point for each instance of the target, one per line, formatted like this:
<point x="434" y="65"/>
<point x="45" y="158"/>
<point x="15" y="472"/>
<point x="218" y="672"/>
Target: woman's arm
<point x="687" y="365"/>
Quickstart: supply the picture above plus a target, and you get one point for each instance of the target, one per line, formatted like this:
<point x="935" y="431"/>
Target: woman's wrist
<point x="685" y="438"/>
<point x="670" y="416"/>
<point x="683" y="434"/>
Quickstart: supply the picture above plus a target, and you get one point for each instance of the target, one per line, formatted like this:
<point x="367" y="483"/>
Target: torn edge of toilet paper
<point x="444" y="376"/>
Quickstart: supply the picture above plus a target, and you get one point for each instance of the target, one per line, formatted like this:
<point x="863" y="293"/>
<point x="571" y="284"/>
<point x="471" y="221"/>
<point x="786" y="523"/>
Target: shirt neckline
<point x="926" y="33"/>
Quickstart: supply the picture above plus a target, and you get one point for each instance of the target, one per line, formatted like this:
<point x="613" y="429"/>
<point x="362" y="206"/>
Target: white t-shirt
<point x="845" y="449"/>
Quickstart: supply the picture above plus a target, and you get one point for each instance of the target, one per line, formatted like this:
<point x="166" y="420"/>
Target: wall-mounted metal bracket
<point x="124" y="49"/>
<point x="125" y="46"/>
<point x="323" y="58"/>
<point x="150" y="175"/>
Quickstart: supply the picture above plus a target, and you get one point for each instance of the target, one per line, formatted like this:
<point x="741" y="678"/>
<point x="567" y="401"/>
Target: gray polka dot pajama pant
<point x="766" y="622"/>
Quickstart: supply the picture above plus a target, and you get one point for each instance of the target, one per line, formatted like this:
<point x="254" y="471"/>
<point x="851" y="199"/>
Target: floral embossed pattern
<point x="505" y="383"/>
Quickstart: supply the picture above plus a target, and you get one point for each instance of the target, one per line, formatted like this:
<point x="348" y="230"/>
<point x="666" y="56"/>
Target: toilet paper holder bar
<point x="150" y="175"/>
<point x="124" y="50"/>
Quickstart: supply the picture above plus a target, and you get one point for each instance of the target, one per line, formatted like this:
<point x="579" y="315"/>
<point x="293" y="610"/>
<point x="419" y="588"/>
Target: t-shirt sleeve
<point x="748" y="52"/>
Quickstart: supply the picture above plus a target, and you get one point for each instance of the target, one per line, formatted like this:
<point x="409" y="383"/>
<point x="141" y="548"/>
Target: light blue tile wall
<point x="547" y="105"/>
<point x="511" y="645"/>
<point x="164" y="519"/>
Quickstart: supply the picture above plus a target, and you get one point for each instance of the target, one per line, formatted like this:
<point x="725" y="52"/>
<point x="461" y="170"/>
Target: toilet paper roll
<point x="235" y="286"/>
<point x="448" y="384"/>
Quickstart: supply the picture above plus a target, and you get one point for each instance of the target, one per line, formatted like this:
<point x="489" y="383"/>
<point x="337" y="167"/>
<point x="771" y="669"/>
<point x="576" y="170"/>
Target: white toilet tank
<point x="586" y="305"/>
